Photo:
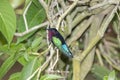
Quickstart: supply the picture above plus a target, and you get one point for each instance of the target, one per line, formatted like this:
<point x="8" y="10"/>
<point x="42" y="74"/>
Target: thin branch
<point x="99" y="35"/>
<point x="24" y="15"/>
<point x="76" y="33"/>
<point x="118" y="32"/>
<point x="58" y="71"/>
<point x="45" y="6"/>
<point x="55" y="60"/>
<point x="41" y="68"/>
<point x="76" y="69"/>
<point x="38" y="75"/>
<point x="107" y="21"/>
<point x="83" y="2"/>
<point x="29" y="78"/>
<point x="65" y="13"/>
<point x="68" y="17"/>
<point x="32" y="29"/>
<point x="106" y="2"/>
<point x="45" y="50"/>
<point x="99" y="57"/>
<point x="107" y="58"/>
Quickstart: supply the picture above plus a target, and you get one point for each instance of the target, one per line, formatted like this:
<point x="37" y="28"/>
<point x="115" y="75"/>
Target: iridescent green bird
<point x="56" y="38"/>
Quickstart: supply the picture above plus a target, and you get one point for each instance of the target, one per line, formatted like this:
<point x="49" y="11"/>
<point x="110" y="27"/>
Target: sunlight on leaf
<point x="7" y="20"/>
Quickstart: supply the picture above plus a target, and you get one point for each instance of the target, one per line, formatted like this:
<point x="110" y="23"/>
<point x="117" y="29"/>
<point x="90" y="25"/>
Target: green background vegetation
<point x="91" y="29"/>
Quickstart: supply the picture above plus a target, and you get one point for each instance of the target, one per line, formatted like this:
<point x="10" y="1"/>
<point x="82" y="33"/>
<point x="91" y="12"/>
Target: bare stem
<point x="24" y="15"/>
<point x="32" y="29"/>
<point x="45" y="6"/>
<point x="99" y="57"/>
<point x="57" y="58"/>
<point x="41" y="68"/>
<point x="99" y="34"/>
<point x="104" y="3"/>
<point x="65" y="13"/>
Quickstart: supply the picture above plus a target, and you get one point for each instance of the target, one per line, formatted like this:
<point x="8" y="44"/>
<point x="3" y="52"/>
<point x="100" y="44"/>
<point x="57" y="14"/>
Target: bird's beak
<point x="47" y="29"/>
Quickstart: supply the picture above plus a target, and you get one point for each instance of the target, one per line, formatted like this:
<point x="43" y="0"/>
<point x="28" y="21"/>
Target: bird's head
<point x="51" y="32"/>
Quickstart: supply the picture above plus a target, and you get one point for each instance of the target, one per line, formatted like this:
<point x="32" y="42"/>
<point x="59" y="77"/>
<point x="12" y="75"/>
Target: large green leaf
<point x="28" y="69"/>
<point x="2" y="39"/>
<point x="15" y="76"/>
<point x="99" y="71"/>
<point x="112" y="76"/>
<point x="35" y="15"/>
<point x="7" y="65"/>
<point x="36" y="42"/>
<point x="14" y="51"/>
<point x="7" y="20"/>
<point x="30" y="66"/>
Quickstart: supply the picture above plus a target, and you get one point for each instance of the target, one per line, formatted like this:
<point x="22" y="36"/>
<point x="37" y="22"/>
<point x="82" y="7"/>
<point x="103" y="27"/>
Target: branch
<point x="68" y="17"/>
<point x="99" y="35"/>
<point x="106" y="2"/>
<point x="56" y="60"/>
<point x="107" y="58"/>
<point x="24" y="15"/>
<point x="99" y="57"/>
<point x="76" y="33"/>
<point x="67" y="11"/>
<point x="32" y="29"/>
<point x="41" y="68"/>
<point x="45" y="6"/>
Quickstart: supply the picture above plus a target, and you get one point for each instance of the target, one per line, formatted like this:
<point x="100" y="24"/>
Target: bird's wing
<point x="56" y="41"/>
<point x="66" y="50"/>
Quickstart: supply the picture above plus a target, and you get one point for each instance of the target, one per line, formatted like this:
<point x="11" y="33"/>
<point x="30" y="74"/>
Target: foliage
<point x="91" y="29"/>
<point x="99" y="71"/>
<point x="7" y="20"/>
<point x="50" y="77"/>
<point x="111" y="76"/>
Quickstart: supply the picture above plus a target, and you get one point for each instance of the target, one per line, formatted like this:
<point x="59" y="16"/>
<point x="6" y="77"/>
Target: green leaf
<point x="105" y="78"/>
<point x="15" y="76"/>
<point x="2" y="39"/>
<point x="36" y="42"/>
<point x="7" y="65"/>
<point x="7" y="20"/>
<point x="50" y="77"/>
<point x="28" y="69"/>
<point x="22" y="61"/>
<point x="25" y="58"/>
<point x="12" y="48"/>
<point x="112" y="76"/>
<point x="35" y="15"/>
<point x="100" y="71"/>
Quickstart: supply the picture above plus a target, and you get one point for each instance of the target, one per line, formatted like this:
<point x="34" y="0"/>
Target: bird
<point x="56" y="38"/>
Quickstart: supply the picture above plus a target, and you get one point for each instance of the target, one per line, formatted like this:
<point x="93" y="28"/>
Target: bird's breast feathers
<point x="56" y="41"/>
